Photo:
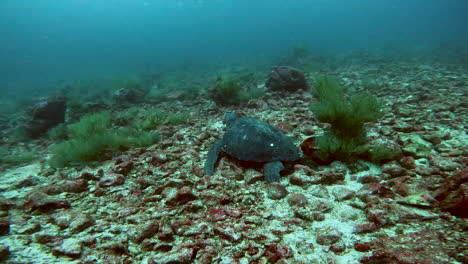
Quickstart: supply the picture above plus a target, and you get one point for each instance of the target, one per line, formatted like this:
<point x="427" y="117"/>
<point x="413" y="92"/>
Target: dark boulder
<point x="46" y="114"/>
<point x="283" y="78"/>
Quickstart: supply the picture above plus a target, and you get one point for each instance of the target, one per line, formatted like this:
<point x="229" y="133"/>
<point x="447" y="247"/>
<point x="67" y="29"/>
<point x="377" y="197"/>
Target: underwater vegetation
<point x="20" y="157"/>
<point x="229" y="90"/>
<point x="94" y="136"/>
<point x="346" y="138"/>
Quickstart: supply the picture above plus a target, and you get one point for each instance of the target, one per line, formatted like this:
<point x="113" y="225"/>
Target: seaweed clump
<point x="345" y="138"/>
<point x="234" y="91"/>
<point x="94" y="136"/>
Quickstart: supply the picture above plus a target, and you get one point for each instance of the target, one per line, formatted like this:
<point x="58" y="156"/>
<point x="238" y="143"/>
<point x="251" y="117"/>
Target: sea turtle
<point x="249" y="139"/>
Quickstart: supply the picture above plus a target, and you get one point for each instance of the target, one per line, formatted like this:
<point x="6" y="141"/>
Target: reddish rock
<point x="338" y="247"/>
<point x="331" y="177"/>
<point x="285" y="127"/>
<point x="378" y="189"/>
<point x="45" y="203"/>
<point x="344" y="194"/>
<point x="299" y="179"/>
<point x="408" y="162"/>
<point x="158" y="159"/>
<point x="276" y="191"/>
<point x="297" y="200"/>
<point x="453" y="194"/>
<point x="145" y="231"/>
<point x="217" y="214"/>
<point x="124" y="167"/>
<point x="393" y="169"/>
<point x="179" y="137"/>
<point x="80" y="222"/>
<point x="368" y="179"/>
<point x="76" y="186"/>
<point x="274" y="253"/>
<point x="183" y="196"/>
<point x="424" y="247"/>
<point x="308" y="146"/>
<point x="112" y="179"/>
<point x="228" y="234"/>
<point x="166" y="233"/>
<point x="328" y="236"/>
<point x="365" y="228"/>
<point x="178" y="255"/>
<point x="4" y="227"/>
<point x="86" y="175"/>
<point x="362" y="247"/>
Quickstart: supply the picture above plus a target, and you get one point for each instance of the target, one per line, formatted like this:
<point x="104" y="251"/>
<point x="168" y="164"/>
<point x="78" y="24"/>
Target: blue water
<point x="44" y="42"/>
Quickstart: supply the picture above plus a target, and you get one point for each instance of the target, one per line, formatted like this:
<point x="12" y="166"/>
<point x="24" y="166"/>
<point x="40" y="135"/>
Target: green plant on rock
<point x="346" y="136"/>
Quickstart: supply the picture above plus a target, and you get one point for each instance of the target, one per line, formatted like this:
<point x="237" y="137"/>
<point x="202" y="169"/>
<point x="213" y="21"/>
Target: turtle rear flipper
<point x="213" y="157"/>
<point x="271" y="170"/>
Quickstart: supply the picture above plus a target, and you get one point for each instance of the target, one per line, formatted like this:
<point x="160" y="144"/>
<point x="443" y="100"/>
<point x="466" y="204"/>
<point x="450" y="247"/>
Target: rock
<point x="4" y="253"/>
<point x="297" y="200"/>
<point x="277" y="191"/>
<point x="80" y="222"/>
<point x="228" y="234"/>
<point x="70" y="247"/>
<point x="45" y="203"/>
<point x="328" y="236"/>
<point x="45" y="114"/>
<point x="145" y="231"/>
<point x="166" y="233"/>
<point x="393" y="169"/>
<point x="4" y="226"/>
<point x="415" y="146"/>
<point x="425" y="246"/>
<point x="76" y="186"/>
<point x="343" y="194"/>
<point x="176" y="256"/>
<point x="116" y="247"/>
<point x="365" y="228"/>
<point x="124" y="167"/>
<point x="112" y="179"/>
<point x="371" y="189"/>
<point x="362" y="247"/>
<point x="6" y="204"/>
<point x="408" y="162"/>
<point x="282" y="78"/>
<point x="182" y="196"/>
<point x="338" y="247"/>
<point x="331" y="177"/>
<point x="30" y="228"/>
<point x="27" y="182"/>
<point x="88" y="176"/>
<point x="62" y="218"/>
<point x="453" y="194"/>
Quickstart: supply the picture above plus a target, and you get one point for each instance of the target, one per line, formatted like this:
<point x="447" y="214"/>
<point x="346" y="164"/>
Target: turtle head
<point x="230" y="117"/>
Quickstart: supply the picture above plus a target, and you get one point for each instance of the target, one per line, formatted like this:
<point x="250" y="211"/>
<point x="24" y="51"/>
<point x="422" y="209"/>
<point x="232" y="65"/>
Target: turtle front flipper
<point x="213" y="157"/>
<point x="271" y="170"/>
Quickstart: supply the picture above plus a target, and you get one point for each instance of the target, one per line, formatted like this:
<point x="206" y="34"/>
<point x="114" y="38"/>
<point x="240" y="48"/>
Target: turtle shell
<point x="249" y="139"/>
